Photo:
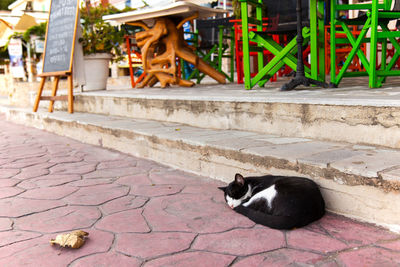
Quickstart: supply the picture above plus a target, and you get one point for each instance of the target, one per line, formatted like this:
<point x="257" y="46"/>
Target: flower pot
<point x="96" y="71"/>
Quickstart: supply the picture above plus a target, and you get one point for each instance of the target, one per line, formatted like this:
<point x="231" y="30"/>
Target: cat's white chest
<point x="268" y="194"/>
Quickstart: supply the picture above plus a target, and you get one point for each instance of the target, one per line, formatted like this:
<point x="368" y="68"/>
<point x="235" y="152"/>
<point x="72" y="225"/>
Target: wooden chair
<point x="285" y="23"/>
<point x="376" y="19"/>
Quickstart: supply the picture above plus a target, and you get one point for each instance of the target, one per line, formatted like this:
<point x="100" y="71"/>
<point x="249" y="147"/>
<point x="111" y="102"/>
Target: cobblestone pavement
<point x="140" y="213"/>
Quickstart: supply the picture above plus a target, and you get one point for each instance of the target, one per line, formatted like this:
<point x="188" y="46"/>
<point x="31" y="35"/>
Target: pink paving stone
<point x="24" y="152"/>
<point x="370" y="256"/>
<point x="28" y="162"/>
<point x="97" y="194"/>
<point x="315" y="227"/>
<point x="204" y="189"/>
<point x="393" y="245"/>
<point x="59" y="150"/>
<point x="133" y="180"/>
<point x="116" y="164"/>
<point x="307" y="240"/>
<point x="65" y="159"/>
<point x="96" y="154"/>
<point x="38" y="252"/>
<point x="281" y="257"/>
<point x="174" y="178"/>
<point x="5" y="160"/>
<point x="56" y="192"/>
<point x="56" y="179"/>
<point x="198" y="258"/>
<point x="355" y="233"/>
<point x="5" y="224"/>
<point x="73" y="168"/>
<point x="10" y="192"/>
<point x="124" y="221"/>
<point x="194" y="213"/>
<point x="155" y="190"/>
<point x="148" y="165"/>
<point x="9" y="237"/>
<point x="49" y="180"/>
<point x="8" y="173"/>
<point x="29" y="173"/>
<point x="91" y="182"/>
<point x="8" y="182"/>
<point x="59" y="219"/>
<point x="153" y="244"/>
<point x="107" y="259"/>
<point x="116" y="172"/>
<point x="17" y="207"/>
<point x="27" y="184"/>
<point x="241" y="242"/>
<point x="124" y="203"/>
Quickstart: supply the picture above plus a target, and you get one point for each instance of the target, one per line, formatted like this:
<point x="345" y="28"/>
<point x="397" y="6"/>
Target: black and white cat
<point x="279" y="202"/>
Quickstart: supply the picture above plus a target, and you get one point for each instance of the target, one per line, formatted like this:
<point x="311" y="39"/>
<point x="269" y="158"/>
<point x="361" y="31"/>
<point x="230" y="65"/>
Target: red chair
<point x="133" y="61"/>
<point x="280" y="39"/>
<point x="342" y="51"/>
<point x="239" y="49"/>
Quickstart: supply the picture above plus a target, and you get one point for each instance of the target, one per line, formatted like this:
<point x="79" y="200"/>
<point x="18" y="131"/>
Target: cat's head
<point x="236" y="192"/>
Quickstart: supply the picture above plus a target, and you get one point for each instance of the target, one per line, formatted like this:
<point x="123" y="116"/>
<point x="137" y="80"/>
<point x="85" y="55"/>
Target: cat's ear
<point x="222" y="188"/>
<point x="239" y="179"/>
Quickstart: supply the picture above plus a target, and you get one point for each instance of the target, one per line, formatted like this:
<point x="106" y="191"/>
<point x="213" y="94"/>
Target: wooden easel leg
<point x="70" y="94"/>
<point x="54" y="92"/>
<point x="39" y="94"/>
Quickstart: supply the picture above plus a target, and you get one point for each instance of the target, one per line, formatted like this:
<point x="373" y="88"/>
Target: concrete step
<point x="357" y="181"/>
<point x="3" y="100"/>
<point x="332" y="114"/>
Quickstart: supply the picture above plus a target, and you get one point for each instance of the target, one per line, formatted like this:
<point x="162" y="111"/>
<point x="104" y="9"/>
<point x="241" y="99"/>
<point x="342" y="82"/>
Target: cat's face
<point x="236" y="192"/>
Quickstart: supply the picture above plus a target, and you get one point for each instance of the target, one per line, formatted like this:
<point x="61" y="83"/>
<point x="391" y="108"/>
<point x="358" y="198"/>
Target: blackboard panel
<point x="60" y="36"/>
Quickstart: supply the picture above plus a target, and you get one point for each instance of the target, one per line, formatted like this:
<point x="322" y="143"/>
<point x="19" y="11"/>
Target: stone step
<point x="329" y="115"/>
<point x="3" y="100"/>
<point x="357" y="181"/>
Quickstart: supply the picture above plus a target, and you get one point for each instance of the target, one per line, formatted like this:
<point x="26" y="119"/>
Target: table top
<point x="180" y="9"/>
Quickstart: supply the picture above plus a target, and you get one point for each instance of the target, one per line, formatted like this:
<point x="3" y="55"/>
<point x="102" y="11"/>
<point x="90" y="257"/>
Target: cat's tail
<point x="272" y="221"/>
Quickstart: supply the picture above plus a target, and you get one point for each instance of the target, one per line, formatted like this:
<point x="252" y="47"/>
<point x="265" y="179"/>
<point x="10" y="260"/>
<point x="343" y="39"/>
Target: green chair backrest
<point x="382" y="4"/>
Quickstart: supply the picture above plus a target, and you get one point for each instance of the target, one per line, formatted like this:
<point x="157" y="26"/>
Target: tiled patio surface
<point x="140" y="213"/>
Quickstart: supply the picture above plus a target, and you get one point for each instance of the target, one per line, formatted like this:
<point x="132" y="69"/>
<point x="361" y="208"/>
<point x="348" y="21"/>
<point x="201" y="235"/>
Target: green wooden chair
<point x="376" y="19"/>
<point x="264" y="40"/>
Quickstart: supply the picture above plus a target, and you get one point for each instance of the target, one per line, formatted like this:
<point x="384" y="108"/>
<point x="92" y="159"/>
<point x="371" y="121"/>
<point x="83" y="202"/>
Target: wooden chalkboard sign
<point x="60" y="36"/>
<point x="59" y="49"/>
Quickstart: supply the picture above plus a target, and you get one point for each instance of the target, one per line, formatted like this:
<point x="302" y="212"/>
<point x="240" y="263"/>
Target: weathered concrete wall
<point x="377" y="125"/>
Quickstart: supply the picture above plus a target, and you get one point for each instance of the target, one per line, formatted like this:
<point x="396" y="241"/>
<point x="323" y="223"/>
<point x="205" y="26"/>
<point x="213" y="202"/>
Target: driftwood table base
<point x="161" y="45"/>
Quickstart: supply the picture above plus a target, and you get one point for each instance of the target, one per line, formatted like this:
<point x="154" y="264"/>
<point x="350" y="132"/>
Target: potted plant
<point x="100" y="42"/>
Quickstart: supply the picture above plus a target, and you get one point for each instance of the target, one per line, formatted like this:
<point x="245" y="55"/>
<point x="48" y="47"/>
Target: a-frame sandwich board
<point x="58" y="57"/>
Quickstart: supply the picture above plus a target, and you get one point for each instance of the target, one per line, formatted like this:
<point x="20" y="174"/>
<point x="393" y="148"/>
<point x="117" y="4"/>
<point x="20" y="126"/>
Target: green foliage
<point x="3" y="54"/>
<point x="99" y="36"/>
<point x="38" y="30"/>
<point x="5" y="3"/>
